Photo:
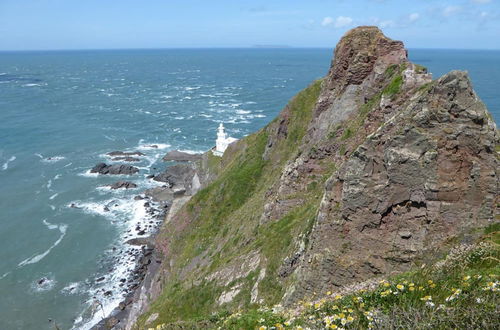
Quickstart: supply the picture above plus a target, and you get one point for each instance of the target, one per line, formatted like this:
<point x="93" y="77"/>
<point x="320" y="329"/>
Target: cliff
<point x="368" y="172"/>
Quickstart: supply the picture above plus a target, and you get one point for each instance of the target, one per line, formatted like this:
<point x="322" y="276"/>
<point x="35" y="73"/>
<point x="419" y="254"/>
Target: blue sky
<point x="103" y="24"/>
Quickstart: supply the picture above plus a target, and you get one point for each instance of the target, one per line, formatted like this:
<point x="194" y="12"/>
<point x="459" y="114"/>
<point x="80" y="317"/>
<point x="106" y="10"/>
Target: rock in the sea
<point x="126" y="159"/>
<point x="103" y="168"/>
<point x="124" y="153"/>
<point x="179" y="156"/>
<point x="123" y="184"/>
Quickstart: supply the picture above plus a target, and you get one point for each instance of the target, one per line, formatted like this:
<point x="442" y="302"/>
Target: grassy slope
<point x="459" y="292"/>
<point x="225" y="223"/>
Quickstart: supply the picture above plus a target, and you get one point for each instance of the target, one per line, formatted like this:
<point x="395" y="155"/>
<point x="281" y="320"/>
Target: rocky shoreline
<point x="181" y="182"/>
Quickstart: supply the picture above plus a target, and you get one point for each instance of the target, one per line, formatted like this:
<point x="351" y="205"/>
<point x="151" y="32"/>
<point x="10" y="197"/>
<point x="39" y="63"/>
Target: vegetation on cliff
<point x="369" y="173"/>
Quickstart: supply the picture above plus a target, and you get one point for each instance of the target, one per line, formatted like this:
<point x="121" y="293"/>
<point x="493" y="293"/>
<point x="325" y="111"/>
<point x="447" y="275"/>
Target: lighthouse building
<point x="222" y="141"/>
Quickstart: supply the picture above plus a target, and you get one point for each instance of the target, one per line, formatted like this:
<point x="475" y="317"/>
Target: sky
<point x="110" y="24"/>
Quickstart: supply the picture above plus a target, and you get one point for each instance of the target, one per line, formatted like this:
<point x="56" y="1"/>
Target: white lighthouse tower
<point x="222" y="141"/>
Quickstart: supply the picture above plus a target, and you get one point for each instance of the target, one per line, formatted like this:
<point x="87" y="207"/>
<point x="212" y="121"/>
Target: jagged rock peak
<point x="361" y="51"/>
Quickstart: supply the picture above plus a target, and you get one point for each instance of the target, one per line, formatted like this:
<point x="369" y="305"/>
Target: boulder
<point x="103" y="168"/>
<point x="123" y="184"/>
<point x="126" y="159"/>
<point x="124" y="153"/>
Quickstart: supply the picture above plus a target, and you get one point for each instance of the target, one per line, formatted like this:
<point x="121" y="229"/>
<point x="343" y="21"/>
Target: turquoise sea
<point x="61" y="111"/>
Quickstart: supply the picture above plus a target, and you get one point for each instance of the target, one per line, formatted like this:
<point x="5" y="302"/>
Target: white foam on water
<point x="53" y="159"/>
<point x="52" y="207"/>
<point x="34" y="259"/>
<point x="87" y="174"/>
<point x="48" y="284"/>
<point x="31" y="85"/>
<point x="49" y="184"/>
<point x="109" y="137"/>
<point x="150" y="146"/>
<point x="243" y="112"/>
<point x="71" y="288"/>
<point x="53" y="196"/>
<point x="130" y="213"/>
<point x="5" y="166"/>
<point x="39" y="155"/>
<point x="68" y="165"/>
<point x="192" y="88"/>
<point x="58" y="176"/>
<point x="4" y="275"/>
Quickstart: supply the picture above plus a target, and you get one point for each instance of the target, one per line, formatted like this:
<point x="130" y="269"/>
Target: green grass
<point x="394" y="86"/>
<point x="460" y="292"/>
<point x="224" y="223"/>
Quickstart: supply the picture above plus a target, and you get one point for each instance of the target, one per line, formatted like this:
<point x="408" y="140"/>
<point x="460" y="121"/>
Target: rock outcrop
<point x="123" y="185"/>
<point x="115" y="169"/>
<point x="179" y="156"/>
<point x="368" y="172"/>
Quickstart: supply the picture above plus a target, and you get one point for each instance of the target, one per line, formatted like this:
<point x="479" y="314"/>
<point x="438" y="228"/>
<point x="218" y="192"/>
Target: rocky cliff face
<point x="369" y="171"/>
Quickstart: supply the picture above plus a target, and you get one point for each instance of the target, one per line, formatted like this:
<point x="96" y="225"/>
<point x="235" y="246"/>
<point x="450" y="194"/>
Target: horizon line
<point x="256" y="47"/>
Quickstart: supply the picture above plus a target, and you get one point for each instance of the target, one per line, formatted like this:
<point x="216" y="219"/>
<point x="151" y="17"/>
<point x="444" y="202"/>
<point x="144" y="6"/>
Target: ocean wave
<point x="5" y="166"/>
<point x="151" y="146"/>
<point x="71" y="288"/>
<point x="192" y="88"/>
<point x="34" y="259"/>
<point x="52" y="159"/>
<point x="243" y="112"/>
<point x="53" y="196"/>
<point x="87" y="174"/>
<point x="32" y="85"/>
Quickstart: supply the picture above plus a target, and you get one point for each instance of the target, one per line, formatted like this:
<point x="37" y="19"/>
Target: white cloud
<point x="413" y="17"/>
<point x="387" y="24"/>
<point x="327" y="21"/>
<point x="342" y="21"/>
<point x="339" y="22"/>
<point x="451" y="10"/>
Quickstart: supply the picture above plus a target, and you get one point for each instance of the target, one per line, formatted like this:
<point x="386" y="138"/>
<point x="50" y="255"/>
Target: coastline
<point x="183" y="181"/>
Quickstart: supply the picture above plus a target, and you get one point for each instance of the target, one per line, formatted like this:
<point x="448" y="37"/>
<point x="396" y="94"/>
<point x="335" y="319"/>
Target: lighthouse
<point x="222" y="141"/>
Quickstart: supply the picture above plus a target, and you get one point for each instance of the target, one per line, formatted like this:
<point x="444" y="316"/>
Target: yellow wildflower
<point x="426" y="298"/>
<point x="342" y="315"/>
<point x="329" y="293"/>
<point x="338" y="297"/>
<point x="387" y="284"/>
<point x="350" y="310"/>
<point x="263" y="327"/>
<point x="433" y="285"/>
<point x="350" y="318"/>
<point x="411" y="288"/>
<point x="430" y="282"/>
<point x="400" y="287"/>
<point x="333" y="326"/>
<point x="466" y="278"/>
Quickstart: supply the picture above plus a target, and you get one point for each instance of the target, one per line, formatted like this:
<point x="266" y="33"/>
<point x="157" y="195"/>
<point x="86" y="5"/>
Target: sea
<point x="62" y="231"/>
